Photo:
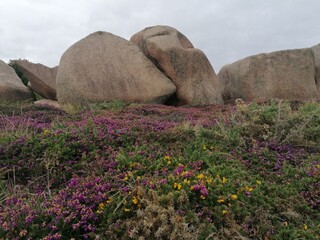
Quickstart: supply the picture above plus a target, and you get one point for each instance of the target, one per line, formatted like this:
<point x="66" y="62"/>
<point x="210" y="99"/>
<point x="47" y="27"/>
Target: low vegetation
<point x="118" y="171"/>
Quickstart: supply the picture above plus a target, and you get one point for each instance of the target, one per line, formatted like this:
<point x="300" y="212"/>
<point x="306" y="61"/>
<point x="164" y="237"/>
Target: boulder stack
<point x="104" y="67"/>
<point x="187" y="67"/>
<point x="316" y="51"/>
<point x="11" y="86"/>
<point x="42" y="78"/>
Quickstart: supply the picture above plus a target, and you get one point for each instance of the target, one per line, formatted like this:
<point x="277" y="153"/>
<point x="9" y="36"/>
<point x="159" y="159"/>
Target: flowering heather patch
<point x="271" y="158"/>
<point x="159" y="172"/>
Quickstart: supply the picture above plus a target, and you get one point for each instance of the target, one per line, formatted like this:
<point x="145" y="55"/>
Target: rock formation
<point x="42" y="78"/>
<point x="187" y="67"/>
<point x="316" y="51"/>
<point x="286" y="74"/>
<point x="47" y="103"/>
<point x="105" y="67"/>
<point x="11" y="86"/>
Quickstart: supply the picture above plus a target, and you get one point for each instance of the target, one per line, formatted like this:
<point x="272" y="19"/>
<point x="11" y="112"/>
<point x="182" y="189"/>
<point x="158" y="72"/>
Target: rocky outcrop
<point x="187" y="67"/>
<point x="42" y="78"/>
<point x="47" y="103"/>
<point x="316" y="51"/>
<point x="286" y="74"/>
<point x="105" y="67"/>
<point x="11" y="86"/>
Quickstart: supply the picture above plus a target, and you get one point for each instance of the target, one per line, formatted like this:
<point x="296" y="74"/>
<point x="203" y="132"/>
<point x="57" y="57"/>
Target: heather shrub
<point x="279" y="121"/>
<point x="158" y="217"/>
<point x="156" y="172"/>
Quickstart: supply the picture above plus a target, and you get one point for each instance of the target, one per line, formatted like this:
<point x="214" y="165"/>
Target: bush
<point x="157" y="172"/>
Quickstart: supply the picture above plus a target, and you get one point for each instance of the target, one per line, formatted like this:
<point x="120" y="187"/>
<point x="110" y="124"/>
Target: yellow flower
<point x="209" y="180"/>
<point x="249" y="189"/>
<point x="305" y="227"/>
<point x="126" y="209"/>
<point x="224" y="180"/>
<point x="186" y="181"/>
<point x="109" y="200"/>
<point x="125" y="178"/>
<point x="101" y="206"/>
<point x="220" y="200"/>
<point x="191" y="188"/>
<point x="177" y="186"/>
<point x="169" y="162"/>
<point x="224" y="211"/>
<point x="200" y="176"/>
<point x="46" y="132"/>
<point x="204" y="147"/>
<point x="259" y="182"/>
<point x="234" y="197"/>
<point x="135" y="200"/>
<point x="167" y="158"/>
<point x="202" y="197"/>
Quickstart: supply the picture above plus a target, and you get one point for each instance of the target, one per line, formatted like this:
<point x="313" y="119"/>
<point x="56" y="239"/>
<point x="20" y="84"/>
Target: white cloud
<point x="41" y="30"/>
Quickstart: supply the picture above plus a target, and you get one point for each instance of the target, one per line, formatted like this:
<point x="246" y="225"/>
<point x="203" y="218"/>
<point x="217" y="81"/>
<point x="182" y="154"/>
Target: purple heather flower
<point x="163" y="181"/>
<point x="179" y="169"/>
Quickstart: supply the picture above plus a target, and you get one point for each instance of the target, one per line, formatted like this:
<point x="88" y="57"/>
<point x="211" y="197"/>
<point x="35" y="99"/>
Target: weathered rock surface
<point x="11" y="86"/>
<point x="286" y="74"/>
<point x="41" y="77"/>
<point x="105" y="67"/>
<point x="187" y="67"/>
<point x="48" y="103"/>
<point x="316" y="51"/>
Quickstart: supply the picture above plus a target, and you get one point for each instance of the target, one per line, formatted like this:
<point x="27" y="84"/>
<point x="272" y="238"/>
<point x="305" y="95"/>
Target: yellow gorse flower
<point x="224" y="180"/>
<point x="135" y="200"/>
<point x="201" y="176"/>
<point x="168" y="159"/>
<point x="209" y="180"/>
<point x="224" y="211"/>
<point x="101" y="207"/>
<point x="177" y="186"/>
<point x="220" y="200"/>
<point x="186" y="181"/>
<point x="234" y="197"/>
<point x="46" y="132"/>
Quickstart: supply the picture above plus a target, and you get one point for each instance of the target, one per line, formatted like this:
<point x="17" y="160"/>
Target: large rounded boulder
<point x="103" y="67"/>
<point x="11" y="86"/>
<point x="187" y="67"/>
<point x="316" y="51"/>
<point x="288" y="74"/>
<point x="42" y="78"/>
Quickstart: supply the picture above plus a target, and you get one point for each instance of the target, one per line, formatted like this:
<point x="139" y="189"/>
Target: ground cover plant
<point x="119" y="171"/>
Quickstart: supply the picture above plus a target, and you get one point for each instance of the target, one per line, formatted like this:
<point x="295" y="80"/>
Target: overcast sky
<point x="226" y="30"/>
